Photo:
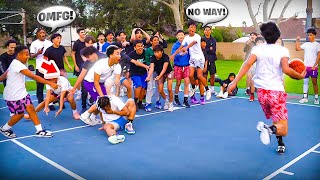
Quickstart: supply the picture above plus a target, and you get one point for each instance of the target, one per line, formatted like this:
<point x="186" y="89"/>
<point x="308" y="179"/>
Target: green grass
<point x="224" y="67"/>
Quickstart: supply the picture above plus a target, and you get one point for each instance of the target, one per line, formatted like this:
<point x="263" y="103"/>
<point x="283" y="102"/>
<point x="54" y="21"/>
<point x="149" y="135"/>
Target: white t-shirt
<point x="102" y="68"/>
<point x="36" y="46"/>
<point x="16" y="85"/>
<point x="116" y="105"/>
<point x="100" y="46"/>
<point x="311" y="50"/>
<point x="195" y="50"/>
<point x="63" y="83"/>
<point x="269" y="73"/>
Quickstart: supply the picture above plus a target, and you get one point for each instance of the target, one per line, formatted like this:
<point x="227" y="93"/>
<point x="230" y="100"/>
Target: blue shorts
<point x="121" y="121"/>
<point x="139" y="81"/>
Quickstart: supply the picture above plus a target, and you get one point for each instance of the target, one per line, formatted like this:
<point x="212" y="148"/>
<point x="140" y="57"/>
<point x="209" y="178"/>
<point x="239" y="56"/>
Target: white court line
<point x="318" y="152"/>
<point x="78" y="127"/>
<point x="311" y="105"/>
<point x="56" y="165"/>
<point x="287" y="173"/>
<point x="291" y="162"/>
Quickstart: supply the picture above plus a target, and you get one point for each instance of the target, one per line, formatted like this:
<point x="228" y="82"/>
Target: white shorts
<point x="196" y="63"/>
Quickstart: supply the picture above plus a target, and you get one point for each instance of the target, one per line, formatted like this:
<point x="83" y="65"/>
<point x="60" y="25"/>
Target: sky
<point x="238" y="11"/>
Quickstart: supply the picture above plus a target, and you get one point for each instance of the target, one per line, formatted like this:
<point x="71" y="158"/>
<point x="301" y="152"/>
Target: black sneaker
<point x="177" y="102"/>
<point x="140" y="105"/>
<point x="247" y="92"/>
<point x="52" y="108"/>
<point x="8" y="133"/>
<point x="281" y="149"/>
<point x="44" y="133"/>
<point x="186" y="104"/>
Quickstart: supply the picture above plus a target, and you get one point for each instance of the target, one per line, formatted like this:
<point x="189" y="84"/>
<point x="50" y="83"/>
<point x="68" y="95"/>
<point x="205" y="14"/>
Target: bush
<point x="220" y="56"/>
<point x="236" y="57"/>
<point x="172" y="40"/>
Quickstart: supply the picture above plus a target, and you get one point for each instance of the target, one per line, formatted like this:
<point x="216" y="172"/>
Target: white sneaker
<point x="264" y="133"/>
<point x="220" y="95"/>
<point x="225" y="95"/>
<point x="212" y="90"/>
<point x="208" y="95"/>
<point x="78" y="97"/>
<point x="303" y="100"/>
<point x="166" y="105"/>
<point x="115" y="139"/>
<point x="170" y="107"/>
<point x="316" y="101"/>
<point x="85" y="117"/>
<point x="191" y="92"/>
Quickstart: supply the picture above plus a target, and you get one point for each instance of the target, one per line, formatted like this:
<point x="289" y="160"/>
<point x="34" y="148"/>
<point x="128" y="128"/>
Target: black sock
<point x="273" y="129"/>
<point x="193" y="86"/>
<point x="130" y="120"/>
<point x="176" y="96"/>
<point x="140" y="102"/>
<point x="207" y="88"/>
<point x="280" y="142"/>
<point x="201" y="96"/>
<point x="185" y="99"/>
<point x="136" y="100"/>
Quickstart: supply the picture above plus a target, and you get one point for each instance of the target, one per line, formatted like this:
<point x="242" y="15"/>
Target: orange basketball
<point x="297" y="65"/>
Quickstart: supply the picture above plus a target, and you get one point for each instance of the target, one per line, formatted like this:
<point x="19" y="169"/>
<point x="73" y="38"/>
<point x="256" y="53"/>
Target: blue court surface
<point x="218" y="140"/>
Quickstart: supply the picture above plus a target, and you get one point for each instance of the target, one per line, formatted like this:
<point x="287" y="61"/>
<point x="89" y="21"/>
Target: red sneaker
<point x="251" y="97"/>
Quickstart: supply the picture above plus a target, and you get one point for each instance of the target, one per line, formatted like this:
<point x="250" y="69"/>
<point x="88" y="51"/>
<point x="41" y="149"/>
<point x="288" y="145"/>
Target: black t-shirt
<point x="211" y="54"/>
<point x="56" y="54"/>
<point x="5" y="61"/>
<point x="125" y="61"/>
<point x="77" y="46"/>
<point x="158" y="63"/>
<point x="137" y="70"/>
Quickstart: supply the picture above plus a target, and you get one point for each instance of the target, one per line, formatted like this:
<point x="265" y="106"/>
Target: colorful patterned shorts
<point x="18" y="107"/>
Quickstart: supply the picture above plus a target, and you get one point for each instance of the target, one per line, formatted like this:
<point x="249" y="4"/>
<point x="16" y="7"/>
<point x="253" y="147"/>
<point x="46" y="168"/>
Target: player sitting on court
<point x="112" y="113"/>
<point x="224" y="85"/>
<point x="54" y="95"/>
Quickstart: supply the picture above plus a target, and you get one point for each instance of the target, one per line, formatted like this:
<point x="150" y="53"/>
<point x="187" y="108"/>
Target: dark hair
<point x="207" y="27"/>
<point x="111" y="49"/>
<point x="254" y="33"/>
<point x="89" y="38"/>
<point x="80" y="29"/>
<point x="117" y="44"/>
<point x="53" y="36"/>
<point x="87" y="51"/>
<point x="109" y="32"/>
<point x="190" y="22"/>
<point x="137" y="42"/>
<point x="39" y="29"/>
<point x="9" y="42"/>
<point x="231" y="74"/>
<point x="151" y="39"/>
<point x="19" y="48"/>
<point x="312" y="30"/>
<point x="179" y="31"/>
<point x="203" y="39"/>
<point x="158" y="48"/>
<point x="122" y="31"/>
<point x="259" y="39"/>
<point x="270" y="31"/>
<point x="99" y="34"/>
<point x="103" y="102"/>
<point x="138" y="30"/>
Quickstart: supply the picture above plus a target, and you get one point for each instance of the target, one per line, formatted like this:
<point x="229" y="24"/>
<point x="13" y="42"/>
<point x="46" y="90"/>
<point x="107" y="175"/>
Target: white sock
<point x="6" y="127"/>
<point x="316" y="96"/>
<point x="185" y="95"/>
<point x="305" y="85"/>
<point x="74" y="111"/>
<point x="93" y="116"/>
<point x="38" y="127"/>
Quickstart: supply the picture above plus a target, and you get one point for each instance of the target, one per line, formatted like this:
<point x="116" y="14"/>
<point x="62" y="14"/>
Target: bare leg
<point x="282" y="127"/>
<point x="315" y="85"/>
<point x="170" y="92"/>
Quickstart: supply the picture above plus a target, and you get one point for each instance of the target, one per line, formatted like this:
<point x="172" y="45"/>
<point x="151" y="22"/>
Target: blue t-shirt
<point x="180" y="60"/>
<point x="105" y="46"/>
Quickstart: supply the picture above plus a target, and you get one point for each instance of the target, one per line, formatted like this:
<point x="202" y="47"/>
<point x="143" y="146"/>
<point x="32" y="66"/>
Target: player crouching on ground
<point x="54" y="95"/>
<point x="112" y="112"/>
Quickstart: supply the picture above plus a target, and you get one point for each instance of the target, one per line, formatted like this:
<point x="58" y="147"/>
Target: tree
<point x="177" y="7"/>
<point x="266" y="15"/>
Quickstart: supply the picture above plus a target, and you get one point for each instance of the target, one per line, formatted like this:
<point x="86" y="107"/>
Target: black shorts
<point x="211" y="68"/>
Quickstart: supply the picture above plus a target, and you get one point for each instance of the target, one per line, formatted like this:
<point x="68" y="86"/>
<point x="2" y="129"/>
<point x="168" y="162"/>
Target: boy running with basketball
<point x="311" y="61"/>
<point x="271" y="62"/>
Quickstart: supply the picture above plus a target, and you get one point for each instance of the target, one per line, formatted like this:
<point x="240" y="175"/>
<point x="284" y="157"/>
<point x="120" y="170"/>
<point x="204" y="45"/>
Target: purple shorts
<point x="18" y="107"/>
<point x="312" y="73"/>
<point x="92" y="90"/>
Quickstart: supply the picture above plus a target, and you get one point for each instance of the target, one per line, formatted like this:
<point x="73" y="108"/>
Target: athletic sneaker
<point x="85" y="117"/>
<point x="8" y="133"/>
<point x="202" y="101"/>
<point x="44" y="133"/>
<point x="208" y="95"/>
<point x="303" y="100"/>
<point x="191" y="92"/>
<point x="316" y="101"/>
<point x="76" y="116"/>
<point x="140" y="105"/>
<point x="194" y="100"/>
<point x="251" y="98"/>
<point x="129" y="128"/>
<point x="225" y="95"/>
<point x="78" y="97"/>
<point x="158" y="105"/>
<point x="247" y="92"/>
<point x="166" y="105"/>
<point x="212" y="90"/>
<point x="52" y="108"/>
<point x="177" y="102"/>
<point x="186" y="104"/>
<point x="220" y="94"/>
<point x="148" y="108"/>
<point x="281" y="149"/>
<point x="264" y="133"/>
<point x="170" y="109"/>
<point x="115" y="139"/>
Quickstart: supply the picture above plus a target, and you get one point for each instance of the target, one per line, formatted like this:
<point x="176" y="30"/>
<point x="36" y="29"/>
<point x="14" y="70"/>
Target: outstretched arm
<point x="39" y="79"/>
